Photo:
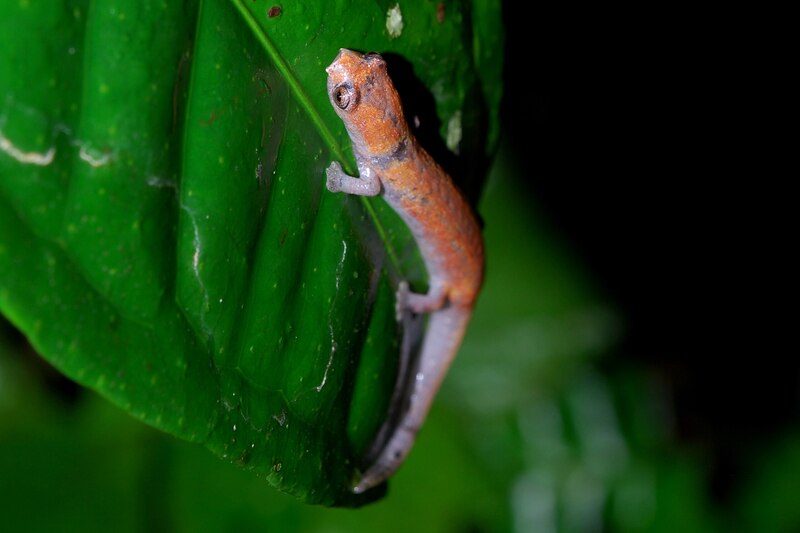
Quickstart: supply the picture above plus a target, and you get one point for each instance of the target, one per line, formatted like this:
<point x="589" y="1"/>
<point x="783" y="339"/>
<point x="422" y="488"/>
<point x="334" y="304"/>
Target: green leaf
<point x="165" y="235"/>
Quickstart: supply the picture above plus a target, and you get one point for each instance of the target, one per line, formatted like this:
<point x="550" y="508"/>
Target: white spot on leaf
<point x="31" y="158"/>
<point x="94" y="160"/>
<point x="454" y="132"/>
<point x="394" y="21"/>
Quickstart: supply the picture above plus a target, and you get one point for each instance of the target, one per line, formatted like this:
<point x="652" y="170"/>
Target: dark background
<point x="628" y="123"/>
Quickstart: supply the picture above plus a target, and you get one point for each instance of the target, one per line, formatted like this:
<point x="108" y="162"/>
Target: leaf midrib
<point x="305" y="103"/>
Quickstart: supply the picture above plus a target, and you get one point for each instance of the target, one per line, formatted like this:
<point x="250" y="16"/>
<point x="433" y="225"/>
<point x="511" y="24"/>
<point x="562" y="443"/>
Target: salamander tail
<point x="442" y="340"/>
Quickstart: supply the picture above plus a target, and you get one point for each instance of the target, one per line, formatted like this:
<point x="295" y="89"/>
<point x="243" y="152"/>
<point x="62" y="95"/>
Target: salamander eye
<point x="344" y="96"/>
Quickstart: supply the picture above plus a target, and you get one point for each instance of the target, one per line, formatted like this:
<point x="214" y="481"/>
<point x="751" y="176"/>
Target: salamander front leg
<point x="367" y="184"/>
<point x="418" y="303"/>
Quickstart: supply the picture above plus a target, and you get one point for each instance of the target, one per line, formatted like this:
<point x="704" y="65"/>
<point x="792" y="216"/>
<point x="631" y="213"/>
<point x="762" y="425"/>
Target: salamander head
<point x="363" y="95"/>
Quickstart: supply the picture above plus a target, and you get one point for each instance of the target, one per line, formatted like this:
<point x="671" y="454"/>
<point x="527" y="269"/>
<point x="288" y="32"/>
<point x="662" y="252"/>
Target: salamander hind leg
<point x="417" y="303"/>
